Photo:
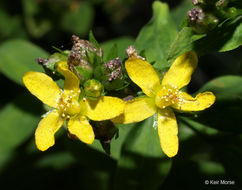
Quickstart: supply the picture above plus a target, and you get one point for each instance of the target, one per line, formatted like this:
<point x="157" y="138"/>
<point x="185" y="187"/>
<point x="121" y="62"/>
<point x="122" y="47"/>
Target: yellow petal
<point x="44" y="134"/>
<point x="167" y="130"/>
<point x="71" y="80"/>
<point x="104" y="108"/>
<point x="180" y="72"/>
<point x="143" y="74"/>
<point x="80" y="127"/>
<point x="137" y="110"/>
<point x="200" y="102"/>
<point x="43" y="87"/>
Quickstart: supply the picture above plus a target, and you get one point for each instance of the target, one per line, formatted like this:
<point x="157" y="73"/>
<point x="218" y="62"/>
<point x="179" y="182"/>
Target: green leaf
<point x="141" y="155"/>
<point x="122" y="43"/>
<point x="225" y="114"/>
<point x="183" y="43"/>
<point x="18" y="57"/>
<point x="235" y="39"/>
<point x="18" y="122"/>
<point x="113" y="53"/>
<point x="197" y="127"/>
<point x="117" y="143"/>
<point x="225" y="37"/>
<point x="78" y="20"/>
<point x="93" y="40"/>
<point x="156" y="37"/>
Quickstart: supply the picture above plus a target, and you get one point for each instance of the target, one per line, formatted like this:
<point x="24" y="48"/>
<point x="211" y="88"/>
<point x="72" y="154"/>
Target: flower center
<point x="68" y="104"/>
<point x="167" y="96"/>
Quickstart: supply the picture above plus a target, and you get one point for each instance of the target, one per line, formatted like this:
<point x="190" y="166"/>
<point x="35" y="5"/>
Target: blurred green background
<point x="210" y="143"/>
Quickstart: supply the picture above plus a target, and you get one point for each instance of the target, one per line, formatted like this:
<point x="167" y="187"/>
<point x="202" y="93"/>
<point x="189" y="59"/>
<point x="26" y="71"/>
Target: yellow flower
<point x="163" y="96"/>
<point x="67" y="105"/>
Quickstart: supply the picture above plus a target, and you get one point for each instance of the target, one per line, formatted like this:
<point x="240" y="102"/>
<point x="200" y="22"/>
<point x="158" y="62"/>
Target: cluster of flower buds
<point x="113" y="74"/>
<point x="200" y="20"/>
<point x="196" y="14"/>
<point x="206" y="14"/>
<point x="113" y="67"/>
<point x="86" y="62"/>
<point x="82" y="58"/>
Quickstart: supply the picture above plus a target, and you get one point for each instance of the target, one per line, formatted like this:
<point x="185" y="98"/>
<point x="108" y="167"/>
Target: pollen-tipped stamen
<point x="167" y="96"/>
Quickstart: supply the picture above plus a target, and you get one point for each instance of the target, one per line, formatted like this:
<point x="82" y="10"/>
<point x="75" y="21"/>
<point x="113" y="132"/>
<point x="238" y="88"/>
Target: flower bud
<point x="49" y="64"/>
<point x="93" y="88"/>
<point x="232" y="11"/>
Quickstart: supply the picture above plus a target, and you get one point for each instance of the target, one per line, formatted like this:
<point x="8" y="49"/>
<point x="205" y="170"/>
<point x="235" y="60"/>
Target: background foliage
<point x="210" y="141"/>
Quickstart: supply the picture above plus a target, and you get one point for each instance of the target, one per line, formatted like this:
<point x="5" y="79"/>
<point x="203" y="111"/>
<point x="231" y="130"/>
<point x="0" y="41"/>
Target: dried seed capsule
<point x="82" y="58"/>
<point x="113" y="74"/>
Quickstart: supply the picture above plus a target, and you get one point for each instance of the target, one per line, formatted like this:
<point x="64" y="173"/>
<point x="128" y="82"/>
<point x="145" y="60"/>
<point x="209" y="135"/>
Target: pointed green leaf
<point x="93" y="40"/>
<point x="122" y="44"/>
<point x="156" y="37"/>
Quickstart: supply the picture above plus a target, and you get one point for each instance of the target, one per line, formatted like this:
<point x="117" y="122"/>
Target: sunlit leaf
<point x="156" y="37"/>
<point x="226" y="36"/>
<point x="122" y="43"/>
<point x="18" y="57"/>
